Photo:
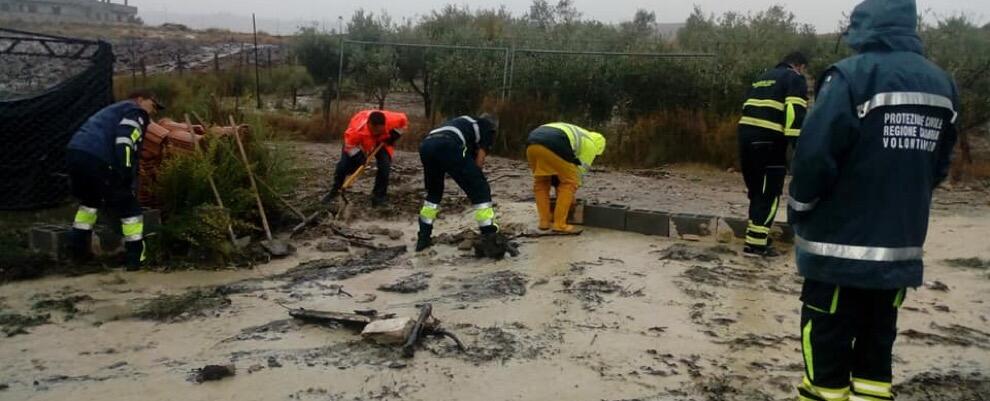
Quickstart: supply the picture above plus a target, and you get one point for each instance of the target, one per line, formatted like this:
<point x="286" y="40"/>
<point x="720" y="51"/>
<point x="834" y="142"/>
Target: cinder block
<point x="107" y="239"/>
<point x="575" y="215"/>
<point x="693" y="224"/>
<point x="648" y="222"/>
<point x="50" y="239"/>
<point x="737" y="225"/>
<point x="605" y="216"/>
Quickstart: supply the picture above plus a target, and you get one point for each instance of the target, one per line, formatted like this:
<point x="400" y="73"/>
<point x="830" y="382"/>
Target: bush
<point x="195" y="223"/>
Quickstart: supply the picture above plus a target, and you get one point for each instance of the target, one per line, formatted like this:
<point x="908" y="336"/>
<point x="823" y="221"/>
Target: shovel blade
<point x="276" y="248"/>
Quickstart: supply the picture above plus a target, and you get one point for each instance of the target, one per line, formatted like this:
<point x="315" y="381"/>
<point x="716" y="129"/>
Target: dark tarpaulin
<point x="34" y="132"/>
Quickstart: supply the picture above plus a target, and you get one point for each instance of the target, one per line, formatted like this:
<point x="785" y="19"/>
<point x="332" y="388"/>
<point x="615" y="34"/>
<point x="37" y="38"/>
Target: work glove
<point x="393" y="136"/>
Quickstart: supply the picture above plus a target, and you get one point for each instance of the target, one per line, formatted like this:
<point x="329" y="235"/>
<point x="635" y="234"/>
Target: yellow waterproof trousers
<point x="545" y="165"/>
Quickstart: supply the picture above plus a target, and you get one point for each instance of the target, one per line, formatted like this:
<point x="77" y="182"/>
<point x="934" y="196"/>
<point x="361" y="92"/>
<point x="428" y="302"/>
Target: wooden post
<point x="257" y="74"/>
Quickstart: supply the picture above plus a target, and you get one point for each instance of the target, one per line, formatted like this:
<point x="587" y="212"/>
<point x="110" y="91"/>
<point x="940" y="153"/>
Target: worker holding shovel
<point x="370" y="133"/>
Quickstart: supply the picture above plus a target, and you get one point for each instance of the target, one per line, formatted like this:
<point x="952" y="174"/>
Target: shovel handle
<point x="353" y="177"/>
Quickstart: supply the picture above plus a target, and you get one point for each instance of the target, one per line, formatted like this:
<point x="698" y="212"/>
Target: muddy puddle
<point x="601" y="316"/>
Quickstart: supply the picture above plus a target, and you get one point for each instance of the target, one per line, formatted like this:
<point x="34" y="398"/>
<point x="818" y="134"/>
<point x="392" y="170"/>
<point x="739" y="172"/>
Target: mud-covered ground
<point x="602" y="316"/>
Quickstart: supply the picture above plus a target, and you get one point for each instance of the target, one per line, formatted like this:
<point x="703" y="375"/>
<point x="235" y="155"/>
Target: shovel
<point x="274" y="247"/>
<point x="345" y="204"/>
<point x="213" y="186"/>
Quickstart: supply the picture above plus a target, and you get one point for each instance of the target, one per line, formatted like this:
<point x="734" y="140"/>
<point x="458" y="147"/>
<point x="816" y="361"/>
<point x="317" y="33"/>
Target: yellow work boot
<point x="541" y="190"/>
<point x="565" y="196"/>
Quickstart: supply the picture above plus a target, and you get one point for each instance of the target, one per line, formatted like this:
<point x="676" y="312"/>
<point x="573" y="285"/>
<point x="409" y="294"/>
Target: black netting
<point x="35" y="127"/>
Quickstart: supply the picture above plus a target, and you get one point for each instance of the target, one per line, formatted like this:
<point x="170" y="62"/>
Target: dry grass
<point x="673" y="136"/>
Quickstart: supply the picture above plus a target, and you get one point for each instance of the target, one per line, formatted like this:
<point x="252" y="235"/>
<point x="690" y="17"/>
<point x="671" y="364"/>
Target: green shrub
<point x="195" y="224"/>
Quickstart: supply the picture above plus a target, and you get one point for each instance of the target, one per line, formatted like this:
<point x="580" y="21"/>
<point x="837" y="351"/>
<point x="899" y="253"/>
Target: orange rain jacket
<point x="359" y="136"/>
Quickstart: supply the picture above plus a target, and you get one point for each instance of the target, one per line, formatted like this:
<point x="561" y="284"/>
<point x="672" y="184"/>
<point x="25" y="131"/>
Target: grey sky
<point x="284" y="15"/>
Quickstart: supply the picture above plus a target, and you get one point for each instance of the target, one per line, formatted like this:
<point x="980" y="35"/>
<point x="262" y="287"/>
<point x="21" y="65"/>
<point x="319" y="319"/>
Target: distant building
<point x="75" y="11"/>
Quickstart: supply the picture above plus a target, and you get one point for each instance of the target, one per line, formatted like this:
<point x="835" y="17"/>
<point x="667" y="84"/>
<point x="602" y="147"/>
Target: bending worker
<point x="564" y="151"/>
<point x="457" y="148"/>
<point x="367" y="130"/>
<point x="102" y="160"/>
<point x="772" y="117"/>
<point x="875" y="146"/>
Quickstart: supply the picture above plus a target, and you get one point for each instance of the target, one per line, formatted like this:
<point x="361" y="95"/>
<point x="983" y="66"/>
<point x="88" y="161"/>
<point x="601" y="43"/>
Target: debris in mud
<point x="366" y="299"/>
<point x="500" y="344"/>
<point x="590" y="291"/>
<point x="392" y="234"/>
<point x="333" y="245"/>
<point x="931" y="386"/>
<point x="579" y="267"/>
<point x="937" y="286"/>
<point x="750" y="340"/>
<point x="409" y="284"/>
<point x="66" y="305"/>
<point x="456" y="239"/>
<point x="183" y="306"/>
<point x="972" y="263"/>
<point x="267" y="332"/>
<point x="736" y="276"/>
<point x="342" y="269"/>
<point x="213" y="373"/>
<point x="12" y="324"/>
<point x="499" y="284"/>
<point x="273" y="362"/>
<point x="495" y="246"/>
<point x="951" y="335"/>
<point x="683" y="252"/>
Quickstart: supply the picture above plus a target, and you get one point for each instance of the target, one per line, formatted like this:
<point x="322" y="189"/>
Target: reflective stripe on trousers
<point x="132" y="228"/>
<point x="484" y="214"/>
<point x="85" y="218"/>
<point x="428" y="214"/>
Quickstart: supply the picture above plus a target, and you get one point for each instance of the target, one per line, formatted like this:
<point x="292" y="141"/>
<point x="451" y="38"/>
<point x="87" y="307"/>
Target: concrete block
<point x="50" y="239"/>
<point x="694" y="224"/>
<point x="648" y="222"/>
<point x="389" y="331"/>
<point x="107" y="239"/>
<point x="605" y="216"/>
<point x="575" y="215"/>
<point x="736" y="224"/>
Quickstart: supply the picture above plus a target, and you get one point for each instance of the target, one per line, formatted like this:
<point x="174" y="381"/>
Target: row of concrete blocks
<point x="53" y="239"/>
<point x="651" y="222"/>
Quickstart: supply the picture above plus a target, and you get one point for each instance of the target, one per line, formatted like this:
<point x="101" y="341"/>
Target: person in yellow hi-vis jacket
<point x="564" y="151"/>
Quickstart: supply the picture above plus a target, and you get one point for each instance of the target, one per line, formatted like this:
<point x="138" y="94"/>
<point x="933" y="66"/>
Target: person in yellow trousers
<point x="565" y="152"/>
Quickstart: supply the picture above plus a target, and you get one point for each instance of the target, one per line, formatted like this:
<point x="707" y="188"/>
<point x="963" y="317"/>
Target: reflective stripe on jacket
<point x="777" y="101"/>
<point x="874" y="147"/>
<point x="587" y="145"/>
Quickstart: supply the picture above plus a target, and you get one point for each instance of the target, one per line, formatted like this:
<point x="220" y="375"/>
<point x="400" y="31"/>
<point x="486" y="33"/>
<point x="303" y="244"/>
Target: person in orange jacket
<point x="367" y="130"/>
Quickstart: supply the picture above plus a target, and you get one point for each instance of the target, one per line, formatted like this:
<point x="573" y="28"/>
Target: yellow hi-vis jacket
<point x="587" y="145"/>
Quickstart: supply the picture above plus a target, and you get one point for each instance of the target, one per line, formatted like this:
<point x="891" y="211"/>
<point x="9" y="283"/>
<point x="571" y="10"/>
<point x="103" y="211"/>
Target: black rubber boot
<point x="760" y="251"/>
<point x="134" y="255"/>
<point x="424" y="237"/>
<point x="491" y="245"/>
<point x="80" y="248"/>
<point x="377" y="202"/>
<point x="330" y="196"/>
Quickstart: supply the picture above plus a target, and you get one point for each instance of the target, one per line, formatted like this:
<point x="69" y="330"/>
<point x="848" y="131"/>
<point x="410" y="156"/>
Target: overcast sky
<point x="283" y="16"/>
